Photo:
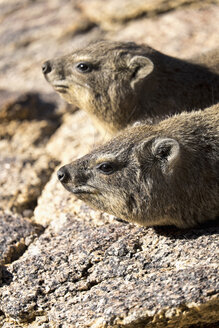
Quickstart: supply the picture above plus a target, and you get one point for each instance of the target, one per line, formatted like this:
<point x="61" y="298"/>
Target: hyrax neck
<point x="174" y="86"/>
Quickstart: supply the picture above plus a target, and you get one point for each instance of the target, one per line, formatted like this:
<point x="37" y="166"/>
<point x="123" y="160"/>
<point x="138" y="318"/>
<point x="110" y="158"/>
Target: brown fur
<point x="157" y="175"/>
<point x="127" y="82"/>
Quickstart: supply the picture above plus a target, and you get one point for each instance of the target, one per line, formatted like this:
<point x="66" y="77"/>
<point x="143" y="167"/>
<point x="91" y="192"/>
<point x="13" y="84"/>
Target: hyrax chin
<point x="119" y="83"/>
<point x="154" y="175"/>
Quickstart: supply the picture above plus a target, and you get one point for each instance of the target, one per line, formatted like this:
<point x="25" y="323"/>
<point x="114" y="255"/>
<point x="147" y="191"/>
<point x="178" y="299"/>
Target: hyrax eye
<point x="84" y="67"/>
<point x="106" y="168"/>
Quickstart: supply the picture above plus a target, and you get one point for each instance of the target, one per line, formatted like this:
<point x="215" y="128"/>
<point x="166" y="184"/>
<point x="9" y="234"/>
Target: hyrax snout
<point x="118" y="83"/>
<point x="154" y="175"/>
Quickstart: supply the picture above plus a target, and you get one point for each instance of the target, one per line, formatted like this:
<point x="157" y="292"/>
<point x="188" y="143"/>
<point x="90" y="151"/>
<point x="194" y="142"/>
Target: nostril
<point x="46" y="67"/>
<point x="62" y="175"/>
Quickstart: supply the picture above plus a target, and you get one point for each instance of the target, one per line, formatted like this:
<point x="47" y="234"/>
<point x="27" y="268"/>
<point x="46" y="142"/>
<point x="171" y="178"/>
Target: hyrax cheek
<point x="79" y="95"/>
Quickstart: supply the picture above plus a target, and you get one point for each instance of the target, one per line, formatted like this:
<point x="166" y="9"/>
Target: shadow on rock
<point x="27" y="106"/>
<point x="5" y="276"/>
<point x="207" y="228"/>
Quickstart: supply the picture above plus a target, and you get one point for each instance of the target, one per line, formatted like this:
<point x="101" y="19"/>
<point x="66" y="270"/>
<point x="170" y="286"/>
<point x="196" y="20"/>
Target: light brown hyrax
<point x="154" y="174"/>
<point x="120" y="83"/>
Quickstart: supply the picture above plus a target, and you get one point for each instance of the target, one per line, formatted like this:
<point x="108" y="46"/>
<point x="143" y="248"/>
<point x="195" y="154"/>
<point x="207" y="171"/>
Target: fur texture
<point x="120" y="83"/>
<point x="154" y="175"/>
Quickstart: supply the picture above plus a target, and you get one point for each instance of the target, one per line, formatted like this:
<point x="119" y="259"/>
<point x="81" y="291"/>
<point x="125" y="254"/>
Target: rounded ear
<point x="167" y="151"/>
<point x="141" y="67"/>
<point x="143" y="151"/>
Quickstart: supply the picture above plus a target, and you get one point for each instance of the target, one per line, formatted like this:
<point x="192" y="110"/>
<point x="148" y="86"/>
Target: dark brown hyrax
<point x="154" y="174"/>
<point x="120" y="83"/>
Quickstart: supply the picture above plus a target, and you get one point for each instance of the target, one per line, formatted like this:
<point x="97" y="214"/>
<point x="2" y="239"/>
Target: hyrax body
<point x="120" y="83"/>
<point x="154" y="174"/>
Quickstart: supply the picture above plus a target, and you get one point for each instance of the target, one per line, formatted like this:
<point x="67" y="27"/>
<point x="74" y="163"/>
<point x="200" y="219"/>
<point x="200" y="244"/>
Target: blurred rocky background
<point x="63" y="264"/>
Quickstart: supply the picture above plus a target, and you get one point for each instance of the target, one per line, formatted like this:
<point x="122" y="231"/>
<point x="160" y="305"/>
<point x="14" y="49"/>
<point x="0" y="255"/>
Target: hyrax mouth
<point x="70" y="182"/>
<point x="83" y="190"/>
<point x="62" y="88"/>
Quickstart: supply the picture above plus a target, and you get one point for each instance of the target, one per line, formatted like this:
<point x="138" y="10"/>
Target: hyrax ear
<point x="140" y="67"/>
<point x="167" y="151"/>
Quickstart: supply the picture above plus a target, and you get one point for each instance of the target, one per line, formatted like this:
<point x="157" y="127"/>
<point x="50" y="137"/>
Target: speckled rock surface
<point x="22" y="180"/>
<point x="26" y="125"/>
<point x="16" y="234"/>
<point x="96" y="272"/>
<point x="63" y="264"/>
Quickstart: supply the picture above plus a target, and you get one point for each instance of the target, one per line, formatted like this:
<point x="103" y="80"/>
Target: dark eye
<point x="106" y="168"/>
<point x="84" y="67"/>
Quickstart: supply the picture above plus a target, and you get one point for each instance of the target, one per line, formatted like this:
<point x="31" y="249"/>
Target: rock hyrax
<point x="120" y="83"/>
<point x="160" y="174"/>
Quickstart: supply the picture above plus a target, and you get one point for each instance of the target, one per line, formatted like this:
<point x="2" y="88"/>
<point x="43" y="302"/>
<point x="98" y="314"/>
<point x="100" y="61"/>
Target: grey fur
<point x="162" y="174"/>
<point x="129" y="82"/>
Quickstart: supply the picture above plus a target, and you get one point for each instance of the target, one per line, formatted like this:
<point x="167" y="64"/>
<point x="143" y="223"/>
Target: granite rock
<point x="98" y="272"/>
<point x="26" y="106"/>
<point x="176" y="33"/>
<point x="16" y="234"/>
<point x="22" y="179"/>
<point x="78" y="267"/>
<point x="26" y="124"/>
<point x="33" y="31"/>
<point x="114" y="12"/>
<point x="73" y="139"/>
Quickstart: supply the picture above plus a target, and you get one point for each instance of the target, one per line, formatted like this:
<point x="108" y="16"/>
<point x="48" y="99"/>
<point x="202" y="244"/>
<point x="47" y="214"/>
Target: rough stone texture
<point x="22" y="179"/>
<point x="16" y="235"/>
<point x="74" y="138"/>
<point x="25" y="127"/>
<point x="88" y="269"/>
<point x="33" y="31"/>
<point x="96" y="272"/>
<point x="29" y="106"/>
<point x="114" y="12"/>
<point x="160" y="32"/>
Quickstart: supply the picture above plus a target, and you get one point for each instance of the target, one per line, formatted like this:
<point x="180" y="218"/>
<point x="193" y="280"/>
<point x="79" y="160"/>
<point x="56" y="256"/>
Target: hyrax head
<point x="131" y="178"/>
<point x="102" y="79"/>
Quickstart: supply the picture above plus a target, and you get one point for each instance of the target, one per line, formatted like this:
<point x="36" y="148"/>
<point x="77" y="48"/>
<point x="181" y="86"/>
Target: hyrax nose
<point x="46" y="67"/>
<point x="63" y="174"/>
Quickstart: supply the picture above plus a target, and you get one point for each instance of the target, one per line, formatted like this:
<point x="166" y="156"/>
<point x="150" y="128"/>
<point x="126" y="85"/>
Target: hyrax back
<point x="120" y="83"/>
<point x="154" y="174"/>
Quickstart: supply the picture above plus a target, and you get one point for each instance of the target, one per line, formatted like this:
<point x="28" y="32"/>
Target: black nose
<point x="63" y="174"/>
<point x="46" y="67"/>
